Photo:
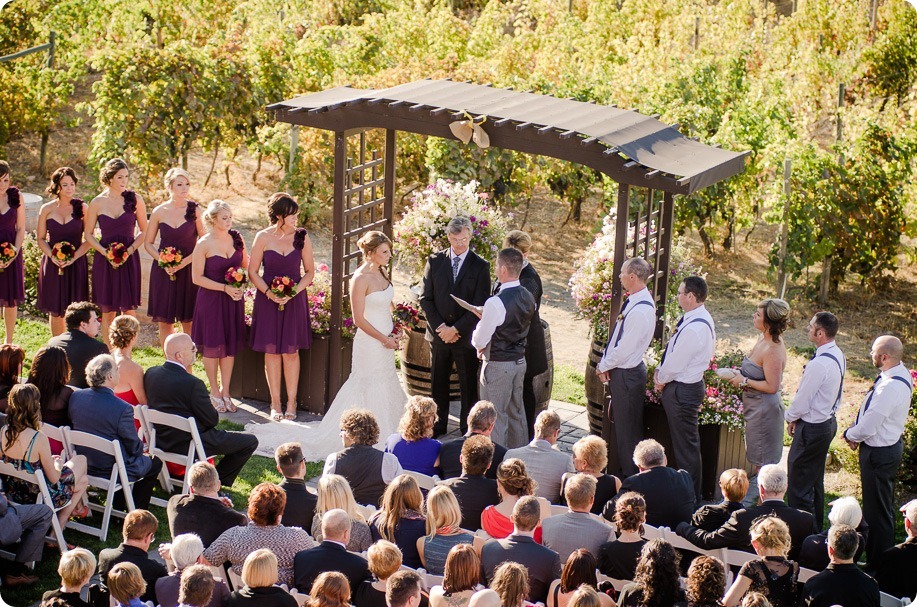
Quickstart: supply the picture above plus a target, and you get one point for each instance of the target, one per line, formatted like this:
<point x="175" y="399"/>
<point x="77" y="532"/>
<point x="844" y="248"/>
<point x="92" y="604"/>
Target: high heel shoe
<point x="218" y="404"/>
<point x="230" y="406"/>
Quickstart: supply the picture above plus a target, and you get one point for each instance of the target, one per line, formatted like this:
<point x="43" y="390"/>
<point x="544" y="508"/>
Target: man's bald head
<point x="175" y="343"/>
<point x="889" y="345"/>
<point x="335" y="525"/>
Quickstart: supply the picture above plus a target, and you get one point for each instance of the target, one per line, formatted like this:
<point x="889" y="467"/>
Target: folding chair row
<point x="44" y="497"/>
<point x="150" y="418"/>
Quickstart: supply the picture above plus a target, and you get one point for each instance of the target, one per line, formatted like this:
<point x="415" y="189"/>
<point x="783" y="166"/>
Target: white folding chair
<point x="483" y="534"/>
<point x="152" y="417"/>
<point x="654" y="533"/>
<point x="433" y="580"/>
<point x="805" y="575"/>
<point x="57" y="433"/>
<point x="235" y="579"/>
<point x="618" y="584"/>
<point x="117" y="481"/>
<point x="887" y="600"/>
<point x="558" y="510"/>
<point x="301" y="599"/>
<point x="425" y="481"/>
<point x="367" y="510"/>
<point x="44" y="497"/>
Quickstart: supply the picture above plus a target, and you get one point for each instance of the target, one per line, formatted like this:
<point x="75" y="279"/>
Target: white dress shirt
<point x="461" y="257"/>
<point x="391" y="467"/>
<point x="821" y="380"/>
<point x="882" y="423"/>
<point x="492" y="317"/>
<point x="690" y="349"/>
<point x="639" y="322"/>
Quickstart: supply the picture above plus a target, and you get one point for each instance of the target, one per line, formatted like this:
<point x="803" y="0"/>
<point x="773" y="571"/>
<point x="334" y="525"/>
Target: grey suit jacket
<point x="565" y="533"/>
<point x="544" y="464"/>
<point x="542" y="563"/>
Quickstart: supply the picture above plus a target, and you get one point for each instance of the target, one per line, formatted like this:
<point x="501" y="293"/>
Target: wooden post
<point x="294" y="146"/>
<point x="46" y="132"/>
<point x="784" y="228"/>
<point x="389" y="177"/>
<point x="664" y="243"/>
<point x="337" y="265"/>
<point x="621" y="227"/>
<point x="696" y="33"/>
<point x="873" y="14"/>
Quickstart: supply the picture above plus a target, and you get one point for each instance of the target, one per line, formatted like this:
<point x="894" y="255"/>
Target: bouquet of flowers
<point x="422" y="230"/>
<point x="170" y="257"/>
<point x="406" y="317"/>
<point x="116" y="254"/>
<point x="320" y="306"/>
<point x="8" y="253"/>
<point x="63" y="251"/>
<point x="283" y="286"/>
<point x="236" y="276"/>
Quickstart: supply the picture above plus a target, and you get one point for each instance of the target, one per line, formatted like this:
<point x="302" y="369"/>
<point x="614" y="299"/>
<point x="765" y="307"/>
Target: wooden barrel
<point x="415" y="365"/>
<point x="595" y="390"/>
<point x="544" y="382"/>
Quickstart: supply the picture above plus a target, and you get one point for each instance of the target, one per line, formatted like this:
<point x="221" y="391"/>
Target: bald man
<point x="171" y="388"/>
<point x="330" y="555"/>
<point x="877" y="434"/>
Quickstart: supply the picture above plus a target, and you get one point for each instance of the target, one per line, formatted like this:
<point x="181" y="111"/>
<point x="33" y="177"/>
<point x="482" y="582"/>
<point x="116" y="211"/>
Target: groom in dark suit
<point x="456" y="271"/>
<point x="171" y="388"/>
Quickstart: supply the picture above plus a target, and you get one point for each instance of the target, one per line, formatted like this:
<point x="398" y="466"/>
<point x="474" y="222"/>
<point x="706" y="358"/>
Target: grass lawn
<point x="569" y="385"/>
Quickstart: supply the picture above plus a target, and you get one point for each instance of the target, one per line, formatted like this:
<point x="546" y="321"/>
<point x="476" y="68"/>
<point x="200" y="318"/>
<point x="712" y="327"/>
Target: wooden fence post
<point x="784" y="228"/>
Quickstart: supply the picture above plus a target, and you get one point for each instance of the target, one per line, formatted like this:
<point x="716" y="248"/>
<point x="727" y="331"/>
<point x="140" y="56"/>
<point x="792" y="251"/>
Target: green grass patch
<point x="569" y="385"/>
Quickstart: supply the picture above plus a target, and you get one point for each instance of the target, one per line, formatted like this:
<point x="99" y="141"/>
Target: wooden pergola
<point x="632" y="149"/>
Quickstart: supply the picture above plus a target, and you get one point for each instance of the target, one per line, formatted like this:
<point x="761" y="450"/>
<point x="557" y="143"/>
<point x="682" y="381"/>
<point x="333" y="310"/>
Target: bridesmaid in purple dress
<point x="12" y="230"/>
<point x="282" y="250"/>
<point x="118" y="213"/>
<point x="218" y="328"/>
<point x="177" y="223"/>
<point x="62" y="282"/>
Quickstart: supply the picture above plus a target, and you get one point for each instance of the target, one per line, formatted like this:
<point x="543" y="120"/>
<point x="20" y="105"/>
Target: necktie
<point x="666" y="351"/>
<point x="497" y="289"/>
<point x="455" y="266"/>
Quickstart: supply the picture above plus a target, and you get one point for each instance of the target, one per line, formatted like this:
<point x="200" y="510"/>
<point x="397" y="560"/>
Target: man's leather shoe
<point x="23" y="579"/>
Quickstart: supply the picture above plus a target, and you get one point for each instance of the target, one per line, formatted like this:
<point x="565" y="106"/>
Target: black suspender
<point x="840" y="390"/>
<point x="624" y="318"/>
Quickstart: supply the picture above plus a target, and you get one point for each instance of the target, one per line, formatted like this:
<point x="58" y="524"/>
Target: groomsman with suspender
<point x="877" y="432"/>
<point x="810" y="418"/>
<point x="622" y="365"/>
<point x="680" y="375"/>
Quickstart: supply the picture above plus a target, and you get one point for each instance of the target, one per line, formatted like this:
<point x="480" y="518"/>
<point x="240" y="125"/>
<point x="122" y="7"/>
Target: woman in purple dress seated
<point x="12" y="230"/>
<point x="178" y="225"/>
<point x="64" y="278"/>
<point x="118" y="212"/>
<point x="413" y="445"/>
<point x="218" y="328"/>
<point x="280" y="324"/>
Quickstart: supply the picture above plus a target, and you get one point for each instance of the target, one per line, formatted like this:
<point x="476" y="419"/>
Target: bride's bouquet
<point x="405" y="318"/>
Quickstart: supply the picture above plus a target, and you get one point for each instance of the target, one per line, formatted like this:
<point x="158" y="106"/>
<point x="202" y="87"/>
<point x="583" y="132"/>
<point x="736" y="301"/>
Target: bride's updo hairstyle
<point x="776" y="316"/>
<point x="371" y="241"/>
<point x="214" y="209"/>
<point x="111" y="169"/>
<point x="281" y="205"/>
<point x="512" y="476"/>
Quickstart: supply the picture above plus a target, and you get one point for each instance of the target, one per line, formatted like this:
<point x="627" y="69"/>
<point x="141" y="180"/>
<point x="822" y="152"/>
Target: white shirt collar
<point x="698" y="311"/>
<point x="509" y="285"/>
<point x="643" y="293"/>
<point x="462" y="256"/>
<point x="892" y="371"/>
<point x="336" y="542"/>
<point x="825" y="347"/>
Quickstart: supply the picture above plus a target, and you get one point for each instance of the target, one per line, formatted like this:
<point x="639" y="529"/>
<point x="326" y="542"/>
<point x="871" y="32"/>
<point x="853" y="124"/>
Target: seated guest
<point x="331" y="589"/>
<point x="733" y="487"/>
<point x="139" y="531"/>
<point x="27" y="524"/>
<point x="123" y="334"/>
<point x="586" y="596"/>
<point x="543" y="461"/>
<point x="755" y="599"/>
<point x="75" y="569"/>
<point x="400" y="520"/>
<point x="443" y="530"/>
<point x="576" y="528"/>
<point x="472" y="489"/>
<point x="186" y="551"/>
<point x="413" y="444"/>
<point x="79" y="341"/>
<point x="171" y="388"/>
<point x="656" y="580"/>
<point x="734" y="533"/>
<point x="384" y="560"/>
<point x="24" y="446"/>
<point x="488" y="598"/>
<point x="895" y="568"/>
<point x="511" y="583"/>
<point x="813" y="554"/>
<point x="330" y="554"/>
<point x="481" y="420"/>
<point x="512" y="484"/>
<point x="669" y="493"/>
<point x="50" y="373"/>
<point x="403" y="590"/>
<point x="127" y="586"/>
<point x="11" y="358"/>
<point x="96" y="410"/>
<point x="590" y="456"/>
<point x="461" y="578"/>
<point x="366" y="469"/>
<point x="203" y="511"/>
<point x="618" y="558"/>
<point x="579" y="570"/>
<point x="265" y="509"/>
<point x="334" y="492"/>
<point x="259" y="574"/>
<point x="197" y="586"/>
<point x="300" y="510"/>
<point x="542" y="563"/>
<point x="772" y="575"/>
<point x="842" y="583"/>
<point x="706" y="583"/>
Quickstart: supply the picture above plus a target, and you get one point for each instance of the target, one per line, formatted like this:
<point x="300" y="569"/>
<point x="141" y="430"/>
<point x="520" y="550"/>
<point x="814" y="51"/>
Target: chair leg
<point x="58" y="533"/>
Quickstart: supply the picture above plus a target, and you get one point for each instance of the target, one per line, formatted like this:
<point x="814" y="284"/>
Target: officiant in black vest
<point x="456" y="271"/>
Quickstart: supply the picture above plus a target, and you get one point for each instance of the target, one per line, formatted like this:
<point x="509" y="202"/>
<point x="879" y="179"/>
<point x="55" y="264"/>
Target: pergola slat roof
<point x="671" y="161"/>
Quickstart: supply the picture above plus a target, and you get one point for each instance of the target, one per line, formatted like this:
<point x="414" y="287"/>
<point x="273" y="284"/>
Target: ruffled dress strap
<point x="191" y="211"/>
<point x="299" y="238"/>
<point x="237" y="242"/>
<point x="130" y="201"/>
<point x="13" y="198"/>
<point x="77" y="204"/>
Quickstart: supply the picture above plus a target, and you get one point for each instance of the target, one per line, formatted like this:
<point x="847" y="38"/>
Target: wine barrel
<point x="596" y="396"/>
<point x="415" y="365"/>
<point x="544" y="382"/>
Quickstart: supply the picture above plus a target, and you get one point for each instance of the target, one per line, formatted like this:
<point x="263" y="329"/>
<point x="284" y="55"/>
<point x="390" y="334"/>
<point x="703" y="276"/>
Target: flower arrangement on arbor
<point x="320" y="306"/>
<point x="421" y="232"/>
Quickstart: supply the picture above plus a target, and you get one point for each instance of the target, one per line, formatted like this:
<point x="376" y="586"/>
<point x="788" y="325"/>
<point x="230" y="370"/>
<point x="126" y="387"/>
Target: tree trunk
<point x="213" y="163"/>
<point x="825" y="282"/>
<point x="44" y="151"/>
<point x="708" y="242"/>
<point x="257" y="168"/>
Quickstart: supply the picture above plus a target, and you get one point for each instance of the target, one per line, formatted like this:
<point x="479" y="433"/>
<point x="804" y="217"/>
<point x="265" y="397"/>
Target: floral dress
<point x="24" y="492"/>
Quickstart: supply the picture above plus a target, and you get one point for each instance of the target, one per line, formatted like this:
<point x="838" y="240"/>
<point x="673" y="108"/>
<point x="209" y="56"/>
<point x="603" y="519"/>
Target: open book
<point x="476" y="310"/>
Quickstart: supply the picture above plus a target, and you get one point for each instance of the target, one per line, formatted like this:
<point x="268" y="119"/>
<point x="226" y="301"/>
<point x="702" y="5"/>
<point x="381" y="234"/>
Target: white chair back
<point x="738" y="558"/>
<point x="618" y="584"/>
<point x="558" y="510"/>
<point x="424" y="481"/>
<point x="235" y="579"/>
<point x="805" y="575"/>
<point x="57" y="433"/>
<point x="654" y="533"/>
<point x="887" y="600"/>
<point x="150" y="418"/>
<point x="301" y="599"/>
<point x="44" y="497"/>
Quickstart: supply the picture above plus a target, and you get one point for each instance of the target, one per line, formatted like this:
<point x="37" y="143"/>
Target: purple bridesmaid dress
<point x="56" y="291"/>
<point x="287" y="331"/>
<point x="173" y="300"/>
<point x="218" y="327"/>
<point x="117" y="289"/>
<point x="12" y="279"/>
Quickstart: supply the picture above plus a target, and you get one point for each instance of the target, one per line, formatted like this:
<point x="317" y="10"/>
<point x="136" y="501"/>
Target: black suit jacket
<point x="80" y="349"/>
<point x="474" y="493"/>
<point x="266" y="596"/>
<point x="713" y="516"/>
<point x="669" y="496"/>
<point x="536" y="358"/>
<point x="300" y="508"/>
<point x="542" y="563"/>
<point x="451" y="467"/>
<point x="735" y="532"/>
<point x="896" y="569"/>
<point x="205" y="516"/>
<point x="328" y="556"/>
<point x="472" y="285"/>
<point x="171" y="389"/>
<point x="843" y="585"/>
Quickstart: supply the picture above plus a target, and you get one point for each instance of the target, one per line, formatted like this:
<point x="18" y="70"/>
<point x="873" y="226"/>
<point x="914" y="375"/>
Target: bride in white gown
<point x="373" y="383"/>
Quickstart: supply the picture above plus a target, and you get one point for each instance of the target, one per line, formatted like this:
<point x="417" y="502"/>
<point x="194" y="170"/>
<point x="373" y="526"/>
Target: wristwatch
<point x="744" y="382"/>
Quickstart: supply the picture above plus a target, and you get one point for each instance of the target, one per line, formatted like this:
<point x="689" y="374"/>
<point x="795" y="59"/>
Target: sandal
<point x="81" y="511"/>
<point x="218" y="404"/>
<point x="276" y="416"/>
<point x="230" y="406"/>
<point x="53" y="545"/>
<point x="290" y="415"/>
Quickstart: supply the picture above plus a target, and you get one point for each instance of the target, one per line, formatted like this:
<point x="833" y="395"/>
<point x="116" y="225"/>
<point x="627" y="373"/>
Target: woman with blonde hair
<point x="590" y="456"/>
<point x="330" y="589"/>
<point x="773" y="575"/>
<point x="511" y="582"/>
<point x="400" y="520"/>
<point x="334" y="493"/>
<point x="413" y="444"/>
<point x="587" y="596"/>
<point x="444" y="518"/>
<point x="218" y="325"/>
<point x="384" y="559"/>
<point x="178" y="224"/>
<point x="123" y="335"/>
<point x="461" y="578"/>
<point x="513" y="482"/>
<point x="259" y="573"/>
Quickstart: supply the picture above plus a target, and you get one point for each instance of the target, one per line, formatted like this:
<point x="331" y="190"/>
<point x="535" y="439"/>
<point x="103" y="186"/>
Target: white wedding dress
<point x="373" y="384"/>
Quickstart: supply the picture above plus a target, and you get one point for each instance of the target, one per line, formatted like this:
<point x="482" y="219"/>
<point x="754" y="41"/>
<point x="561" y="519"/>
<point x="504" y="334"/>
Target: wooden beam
<point x="335" y="364"/>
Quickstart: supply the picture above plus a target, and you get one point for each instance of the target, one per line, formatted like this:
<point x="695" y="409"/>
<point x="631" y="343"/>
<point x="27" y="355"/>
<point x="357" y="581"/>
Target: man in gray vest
<point x="500" y="341"/>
